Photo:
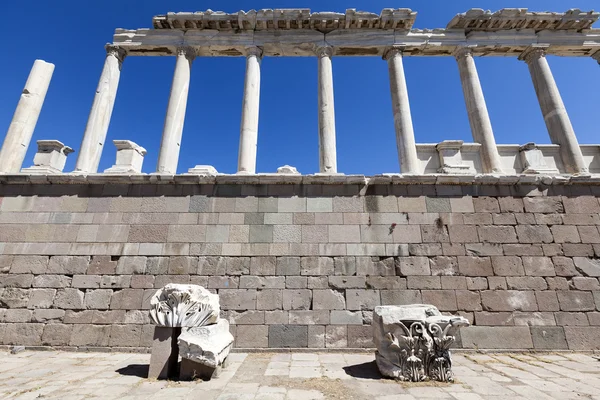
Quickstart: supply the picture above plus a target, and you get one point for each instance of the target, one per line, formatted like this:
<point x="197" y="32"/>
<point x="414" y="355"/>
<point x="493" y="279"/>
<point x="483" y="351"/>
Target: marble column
<point x="25" y="117"/>
<point x="327" y="146"/>
<point x="481" y="126"/>
<point x="170" y="145"/>
<point x="405" y="135"/>
<point x="554" y="112"/>
<point x="250" y="109"/>
<point x="100" y="114"/>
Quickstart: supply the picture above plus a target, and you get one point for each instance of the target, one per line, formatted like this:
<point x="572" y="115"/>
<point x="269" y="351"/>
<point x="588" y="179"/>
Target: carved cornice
<point x="187" y="51"/>
<point x="254" y="51"/>
<point x="392" y="51"/>
<point x="116" y="51"/>
<point x="324" y="51"/>
<point x="533" y="53"/>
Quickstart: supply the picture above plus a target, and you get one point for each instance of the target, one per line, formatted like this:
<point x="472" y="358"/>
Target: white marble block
<point x="413" y="342"/>
<point x="203" y="170"/>
<point x="178" y="305"/>
<point x="130" y="157"/>
<point x="451" y="158"/>
<point x="50" y="158"/>
<point x="533" y="161"/>
<point x="208" y="345"/>
<point x="287" y="169"/>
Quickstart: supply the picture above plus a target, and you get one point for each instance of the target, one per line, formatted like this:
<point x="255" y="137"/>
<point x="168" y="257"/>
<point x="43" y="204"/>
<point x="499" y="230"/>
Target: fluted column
<point x="25" y="117"/>
<point x="405" y="135"/>
<point x="170" y="145"/>
<point x="554" y="112"/>
<point x="479" y="119"/>
<point x="250" y="109"/>
<point x="101" y="112"/>
<point x="327" y="146"/>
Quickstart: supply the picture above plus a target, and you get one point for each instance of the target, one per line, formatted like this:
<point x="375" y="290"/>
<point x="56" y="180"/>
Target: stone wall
<point x="301" y="265"/>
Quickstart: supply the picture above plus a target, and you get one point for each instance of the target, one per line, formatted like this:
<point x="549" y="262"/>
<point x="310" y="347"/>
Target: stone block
<point x="477" y="283"/>
<point x="522" y="250"/>
<point x="256" y="282"/>
<point x="477" y="219"/>
<point x="496" y="337"/>
<point x="423" y="282"/>
<point x="581" y="205"/>
<point x="269" y="299"/>
<point x="17" y="315"/>
<point x="475" y="266"/>
<point x="288" y="336"/>
<point x="263" y="265"/>
<point x="344" y="317"/>
<point x="56" y="335"/>
<point x="309" y="317"/>
<point x="547" y="300"/>
<point x="217" y="233"/>
<point x="577" y="250"/>
<point x="526" y="283"/>
<point x="291" y="204"/>
<point x="583" y="283"/>
<point x="23" y="334"/>
<point x="571" y="319"/>
<point x="41" y="298"/>
<point x="462" y="204"/>
<point x="434" y="234"/>
<point x="374" y="266"/>
<point x="237" y="265"/>
<point x="565" y="234"/>
<point x="358" y="299"/>
<point x="406" y="234"/>
<point x="252" y="336"/>
<point x="86" y="281"/>
<point x="564" y="266"/>
<point x="485" y="318"/>
<point x="315" y="234"/>
<point x="468" y="301"/>
<point x="328" y="299"/>
<point x="90" y="335"/>
<point x="16" y="281"/>
<point x="504" y="219"/>
<point x="70" y="299"/>
<point x="288" y="266"/>
<point x="316" y="266"/>
<point x="534" y="234"/>
<point x="348" y="204"/>
<point x="300" y="299"/>
<point x="347" y="282"/>
<point x="102" y="265"/>
<point x="237" y="299"/>
<point x="400" y="297"/>
<point x="163" y="361"/>
<point x="212" y="265"/>
<point x="453" y="282"/>
<point x="381" y="204"/>
<point x="508" y="300"/>
<point x="344" y="234"/>
<point x="508" y="266"/>
<point x="410" y="266"/>
<point x="453" y="249"/>
<point x="385" y="282"/>
<point x="589" y="234"/>
<point x="497" y="234"/>
<point x="497" y="283"/>
<point x="316" y="336"/>
<point x="582" y="338"/>
<point x="483" y="249"/>
<point x="131" y="265"/>
<point x="68" y="265"/>
<point x="548" y="205"/>
<point x="444" y="300"/>
<point x="548" y="338"/>
<point x="442" y="265"/>
<point x="344" y="266"/>
<point x="534" y="318"/>
<point x="426" y="249"/>
<point x="510" y="204"/>
<point x="127" y="299"/>
<point x="438" y="204"/>
<point x="115" y="282"/>
<point x="586" y="266"/>
<point x="360" y="336"/>
<point x="287" y="234"/>
<point x="250" y="317"/>
<point x="143" y="282"/>
<point x="462" y="234"/>
<point x="576" y="301"/>
<point x="29" y="265"/>
<point x="261" y="234"/>
<point x="317" y="282"/>
<point x="98" y="299"/>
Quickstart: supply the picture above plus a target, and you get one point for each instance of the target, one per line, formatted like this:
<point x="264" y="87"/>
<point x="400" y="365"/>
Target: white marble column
<point x="327" y="146"/>
<point x="554" y="112"/>
<point x="170" y="145"/>
<point x="100" y="114"/>
<point x="250" y="109"/>
<point x="481" y="126"/>
<point x="25" y="117"/>
<point x="405" y="135"/>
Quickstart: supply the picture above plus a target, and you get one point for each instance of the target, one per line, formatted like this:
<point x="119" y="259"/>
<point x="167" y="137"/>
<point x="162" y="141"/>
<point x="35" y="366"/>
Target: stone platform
<point x="305" y="376"/>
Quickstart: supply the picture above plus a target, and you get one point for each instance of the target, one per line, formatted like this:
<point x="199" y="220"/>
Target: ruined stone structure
<point x="503" y="235"/>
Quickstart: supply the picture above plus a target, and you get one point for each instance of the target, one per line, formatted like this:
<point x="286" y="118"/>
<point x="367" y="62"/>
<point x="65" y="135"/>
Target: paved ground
<point x="302" y="376"/>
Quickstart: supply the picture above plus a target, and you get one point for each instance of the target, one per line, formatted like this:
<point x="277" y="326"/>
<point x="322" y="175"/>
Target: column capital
<point x="116" y="51"/>
<point x="392" y="51"/>
<point x="324" y="51"/>
<point x="533" y="53"/>
<point x="187" y="51"/>
<point x="463" y="51"/>
<point x="254" y="51"/>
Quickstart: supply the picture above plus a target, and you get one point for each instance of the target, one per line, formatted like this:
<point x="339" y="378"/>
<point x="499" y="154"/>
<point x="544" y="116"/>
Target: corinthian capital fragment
<point x="184" y="306"/>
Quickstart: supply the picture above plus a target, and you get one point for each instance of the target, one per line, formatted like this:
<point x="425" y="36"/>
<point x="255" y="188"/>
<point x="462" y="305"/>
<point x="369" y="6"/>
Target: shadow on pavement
<point x="139" y="370"/>
<point x="367" y="370"/>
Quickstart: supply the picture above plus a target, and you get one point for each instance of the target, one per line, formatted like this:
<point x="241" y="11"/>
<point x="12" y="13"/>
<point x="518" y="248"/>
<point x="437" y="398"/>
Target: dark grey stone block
<point x="290" y="336"/>
<point x="548" y="337"/>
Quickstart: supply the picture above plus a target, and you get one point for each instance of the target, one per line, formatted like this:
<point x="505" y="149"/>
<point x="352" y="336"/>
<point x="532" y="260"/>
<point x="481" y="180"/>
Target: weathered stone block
<point x="212" y="265"/>
<point x="16" y="281"/>
<point x="423" y="282"/>
<point x="127" y="299"/>
<point x="328" y="299"/>
<point x="41" y="298"/>
<point x="115" y="282"/>
<point x="547" y="205"/>
<point x="583" y="283"/>
<point x="548" y="337"/>
<point x="316" y="266"/>
<point x="581" y="205"/>
<point x="26" y="334"/>
<point x="409" y="266"/>
<point x="576" y="301"/>
<point x="497" y="234"/>
<point x="468" y="301"/>
<point x="496" y="337"/>
<point x="56" y="335"/>
<point x="252" y="336"/>
<point x="357" y="299"/>
<point x="70" y="299"/>
<point x="131" y="265"/>
<point x="508" y="266"/>
<point x="237" y="299"/>
<point x="309" y="317"/>
<point x="68" y="265"/>
<point x="582" y="338"/>
<point x="263" y="265"/>
<point x="360" y="336"/>
<point x="250" y="317"/>
<point x="508" y="300"/>
<point x="400" y="297"/>
<point x="86" y="281"/>
<point x="90" y="335"/>
<point x="288" y="336"/>
<point x="565" y="234"/>
<point x="462" y="234"/>
<point x="29" y="265"/>
<point x="98" y="299"/>
<point x="534" y="234"/>
<point x="571" y="319"/>
<point x="485" y="318"/>
<point x="269" y="299"/>
<point x="526" y="283"/>
<point x="125" y="335"/>
<point x="366" y="266"/>
<point x="587" y="266"/>
<point x="444" y="300"/>
<point x="238" y="265"/>
<point x="475" y="266"/>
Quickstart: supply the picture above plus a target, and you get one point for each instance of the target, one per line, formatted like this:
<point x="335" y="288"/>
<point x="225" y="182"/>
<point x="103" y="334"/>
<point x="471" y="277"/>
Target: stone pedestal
<point x="165" y="353"/>
<point x="130" y="158"/>
<point x="533" y="161"/>
<point x="50" y="158"/>
<point x="203" y="170"/>
<point x="451" y="161"/>
<point x="287" y="170"/>
<point x="25" y="117"/>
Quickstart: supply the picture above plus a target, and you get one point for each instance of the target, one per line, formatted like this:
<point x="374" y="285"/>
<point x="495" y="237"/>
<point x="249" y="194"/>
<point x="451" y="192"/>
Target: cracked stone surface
<point x="290" y="376"/>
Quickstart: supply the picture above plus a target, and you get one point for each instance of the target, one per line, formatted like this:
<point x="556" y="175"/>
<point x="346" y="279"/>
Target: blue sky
<point x="71" y="34"/>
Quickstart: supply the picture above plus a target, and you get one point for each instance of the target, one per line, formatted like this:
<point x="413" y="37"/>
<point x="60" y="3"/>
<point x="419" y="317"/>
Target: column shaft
<point x="25" y="117"/>
<point x="479" y="119"/>
<point x="250" y="109"/>
<point x="170" y="145"/>
<point x="555" y="114"/>
<point x="101" y="112"/>
<point x="405" y="136"/>
<point x="327" y="145"/>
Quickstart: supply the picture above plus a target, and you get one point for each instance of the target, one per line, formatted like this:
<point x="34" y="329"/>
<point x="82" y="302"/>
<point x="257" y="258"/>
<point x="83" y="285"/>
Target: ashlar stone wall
<point x="301" y="265"/>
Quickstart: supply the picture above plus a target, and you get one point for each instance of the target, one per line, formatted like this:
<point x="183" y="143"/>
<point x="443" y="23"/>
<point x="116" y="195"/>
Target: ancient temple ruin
<point x="506" y="236"/>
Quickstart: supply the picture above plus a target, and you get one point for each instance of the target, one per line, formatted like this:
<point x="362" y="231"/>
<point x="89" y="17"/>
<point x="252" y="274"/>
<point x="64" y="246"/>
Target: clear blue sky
<point x="71" y="34"/>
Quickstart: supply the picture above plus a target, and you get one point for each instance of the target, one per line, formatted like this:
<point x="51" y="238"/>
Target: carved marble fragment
<point x="178" y="305"/>
<point x="208" y="345"/>
<point x="413" y="342"/>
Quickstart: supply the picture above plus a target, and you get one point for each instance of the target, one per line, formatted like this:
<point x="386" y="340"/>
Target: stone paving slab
<point x="298" y="376"/>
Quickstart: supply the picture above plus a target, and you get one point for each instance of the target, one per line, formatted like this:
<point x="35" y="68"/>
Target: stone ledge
<point x="317" y="179"/>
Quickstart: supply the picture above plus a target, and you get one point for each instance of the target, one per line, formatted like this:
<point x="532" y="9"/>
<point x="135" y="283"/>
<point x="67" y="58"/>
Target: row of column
<point x="554" y="112"/>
